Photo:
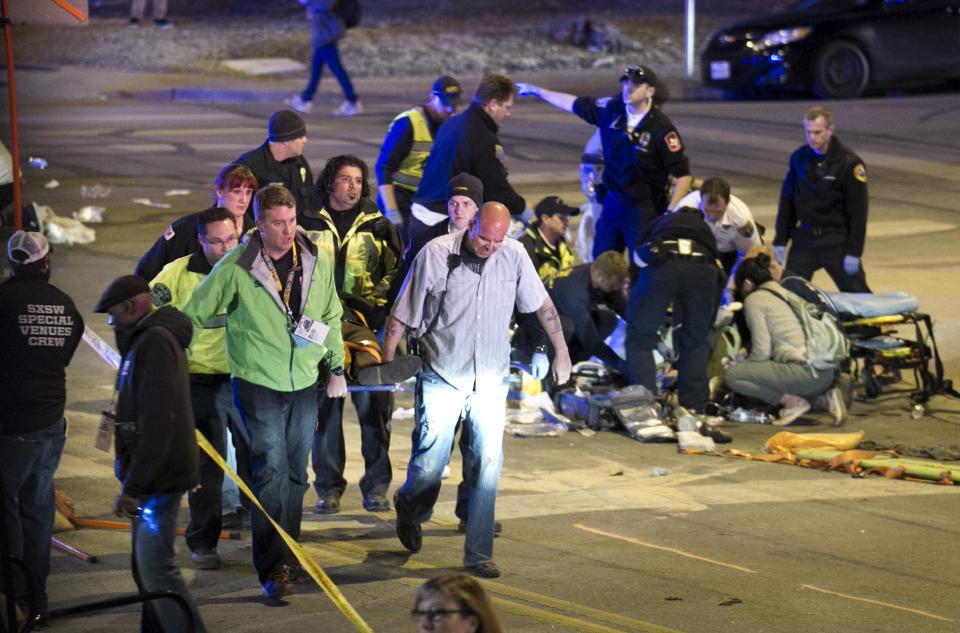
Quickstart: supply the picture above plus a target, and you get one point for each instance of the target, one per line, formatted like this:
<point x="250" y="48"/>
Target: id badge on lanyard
<point x="284" y="289"/>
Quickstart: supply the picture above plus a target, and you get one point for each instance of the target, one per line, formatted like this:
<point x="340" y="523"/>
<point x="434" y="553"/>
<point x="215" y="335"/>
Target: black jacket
<point x="415" y="246"/>
<point x="827" y="193"/>
<point x="40" y="329"/>
<point x="682" y="225"/>
<point x="156" y="444"/>
<point x="179" y="240"/>
<point x="467" y="142"/>
<point x="575" y="297"/>
<point x="293" y="173"/>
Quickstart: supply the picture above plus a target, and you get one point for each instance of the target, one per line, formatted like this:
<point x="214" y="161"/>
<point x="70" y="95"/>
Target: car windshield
<point x="806" y="5"/>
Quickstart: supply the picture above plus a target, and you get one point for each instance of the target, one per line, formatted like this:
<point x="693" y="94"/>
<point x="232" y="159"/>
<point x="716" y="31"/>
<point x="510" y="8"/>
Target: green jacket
<point x="260" y="347"/>
<point x="366" y="258"/>
<point x="174" y="285"/>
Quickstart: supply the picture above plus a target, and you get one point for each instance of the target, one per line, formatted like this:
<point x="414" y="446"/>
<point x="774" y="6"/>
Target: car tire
<point x="842" y="71"/>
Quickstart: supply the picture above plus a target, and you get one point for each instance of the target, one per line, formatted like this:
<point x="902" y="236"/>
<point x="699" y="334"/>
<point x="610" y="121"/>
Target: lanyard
<point x="284" y="290"/>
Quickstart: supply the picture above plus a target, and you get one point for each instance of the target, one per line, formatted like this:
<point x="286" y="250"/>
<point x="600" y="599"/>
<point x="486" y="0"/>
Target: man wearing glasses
<point x="211" y="394"/>
<point x="642" y="151"/>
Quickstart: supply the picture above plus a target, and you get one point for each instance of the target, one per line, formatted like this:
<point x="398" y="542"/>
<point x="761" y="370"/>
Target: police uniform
<point x="823" y="213"/>
<point x="211" y="395"/>
<point x="366" y="257"/>
<point x="736" y="232"/>
<point x="404" y="153"/>
<point x="548" y="260"/>
<point x="637" y="167"/>
<point x="293" y="173"/>
<point x="677" y="260"/>
<point x="179" y="240"/>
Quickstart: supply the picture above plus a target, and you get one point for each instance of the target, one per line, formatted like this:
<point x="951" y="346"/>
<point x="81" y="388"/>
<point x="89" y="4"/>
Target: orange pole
<point x="14" y="130"/>
<point x="75" y="12"/>
<point x="125" y="525"/>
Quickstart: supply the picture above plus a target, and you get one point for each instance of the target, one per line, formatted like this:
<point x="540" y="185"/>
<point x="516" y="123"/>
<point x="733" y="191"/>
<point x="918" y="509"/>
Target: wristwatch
<point x="540" y="349"/>
<point x="336" y="371"/>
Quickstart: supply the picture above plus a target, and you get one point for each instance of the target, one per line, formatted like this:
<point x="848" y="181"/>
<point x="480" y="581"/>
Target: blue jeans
<point x="330" y="56"/>
<point x="438" y="407"/>
<point x="27" y="464"/>
<point x="154" y="569"/>
<point x="329" y="455"/>
<point x="279" y="427"/>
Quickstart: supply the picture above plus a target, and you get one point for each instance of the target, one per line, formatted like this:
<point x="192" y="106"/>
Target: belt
<point x="819" y="230"/>
<point x="693" y="257"/>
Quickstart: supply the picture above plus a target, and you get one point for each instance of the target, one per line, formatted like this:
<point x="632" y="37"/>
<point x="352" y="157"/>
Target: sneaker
<point x="376" y="503"/>
<point x="134" y="23"/>
<point x="846" y="384"/>
<point x="328" y="504"/>
<point x="497" y="527"/>
<point x="836" y="406"/>
<point x="410" y="534"/>
<point x="277" y="585"/>
<point x="205" y="558"/>
<point x="793" y="407"/>
<point x="486" y="569"/>
<point x="162" y="23"/>
<point x="446" y="472"/>
<point x="298" y="104"/>
<point x="396" y="371"/>
<point x="348" y="108"/>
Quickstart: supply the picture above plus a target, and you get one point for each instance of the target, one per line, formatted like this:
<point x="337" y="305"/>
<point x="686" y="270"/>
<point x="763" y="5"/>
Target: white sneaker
<point x="446" y="472"/>
<point x="836" y="406"/>
<point x="793" y="408"/>
<point x="349" y="109"/>
<point x="299" y="104"/>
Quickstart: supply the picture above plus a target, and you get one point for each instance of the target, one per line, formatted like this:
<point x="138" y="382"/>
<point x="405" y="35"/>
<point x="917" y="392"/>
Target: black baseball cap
<point x="554" y="205"/>
<point x="121" y="289"/>
<point x="639" y="75"/>
<point x="448" y="89"/>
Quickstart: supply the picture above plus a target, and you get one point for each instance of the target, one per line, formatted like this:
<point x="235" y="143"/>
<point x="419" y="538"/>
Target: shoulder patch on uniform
<point x="746" y="230"/>
<point x="602" y="103"/>
<point x="169" y="233"/>
<point x="673" y="142"/>
<point x="161" y="295"/>
<point x="303" y="174"/>
<point x="860" y="172"/>
<point x="498" y="151"/>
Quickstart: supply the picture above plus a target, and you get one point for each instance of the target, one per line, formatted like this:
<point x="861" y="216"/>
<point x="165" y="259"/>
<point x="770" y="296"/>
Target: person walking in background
<point x="40" y="329"/>
<point x="326" y="29"/>
<point x="139" y="7"/>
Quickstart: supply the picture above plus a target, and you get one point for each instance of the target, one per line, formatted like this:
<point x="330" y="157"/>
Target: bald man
<point x="458" y="298"/>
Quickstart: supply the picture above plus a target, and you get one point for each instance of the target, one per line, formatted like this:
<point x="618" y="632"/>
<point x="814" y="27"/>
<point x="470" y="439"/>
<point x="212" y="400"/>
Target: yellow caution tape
<point x="111" y="357"/>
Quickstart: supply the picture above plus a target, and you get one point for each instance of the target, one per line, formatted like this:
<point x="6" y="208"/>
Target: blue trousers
<point x="27" y="464"/>
<point x="279" y="427"/>
<point x="153" y="534"/>
<point x="620" y="224"/>
<point x="438" y="407"/>
<point x="330" y="56"/>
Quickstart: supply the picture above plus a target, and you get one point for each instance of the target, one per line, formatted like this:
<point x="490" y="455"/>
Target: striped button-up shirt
<point x="469" y="347"/>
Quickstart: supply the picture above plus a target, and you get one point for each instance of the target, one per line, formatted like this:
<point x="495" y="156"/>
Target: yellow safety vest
<point x="410" y="171"/>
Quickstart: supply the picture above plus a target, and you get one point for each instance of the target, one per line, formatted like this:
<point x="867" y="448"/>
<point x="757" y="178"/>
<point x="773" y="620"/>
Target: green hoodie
<point x="260" y="348"/>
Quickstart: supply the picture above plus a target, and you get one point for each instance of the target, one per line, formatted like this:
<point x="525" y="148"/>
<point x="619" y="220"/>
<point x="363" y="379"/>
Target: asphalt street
<point x="592" y="540"/>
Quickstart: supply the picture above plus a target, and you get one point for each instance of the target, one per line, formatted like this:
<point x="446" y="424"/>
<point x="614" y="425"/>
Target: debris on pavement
<point x="147" y="202"/>
<point x="53" y="183"/>
<point x="94" y="191"/>
<point x="37" y="162"/>
<point x="90" y="214"/>
<point x="177" y="192"/>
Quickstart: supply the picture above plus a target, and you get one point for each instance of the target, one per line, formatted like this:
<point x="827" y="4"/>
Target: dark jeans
<point x="27" y="464"/>
<point x="694" y="290"/>
<point x="153" y="534"/>
<point x="279" y="425"/>
<point x="212" y="400"/>
<point x="330" y="56"/>
<point x="809" y="253"/>
<point x="620" y="223"/>
<point x="329" y="456"/>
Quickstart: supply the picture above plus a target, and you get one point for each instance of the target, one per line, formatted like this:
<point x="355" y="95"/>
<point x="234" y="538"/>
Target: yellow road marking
<point x="878" y="602"/>
<point x="672" y="550"/>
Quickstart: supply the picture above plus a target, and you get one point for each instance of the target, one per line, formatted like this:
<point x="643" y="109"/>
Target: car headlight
<point x="781" y="37"/>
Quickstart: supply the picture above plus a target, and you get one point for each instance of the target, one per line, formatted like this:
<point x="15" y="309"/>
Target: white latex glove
<point x="527" y="215"/>
<point x="394" y="216"/>
<point x="851" y="264"/>
<point x="539" y="365"/>
<point x="527" y="89"/>
<point x="779" y="254"/>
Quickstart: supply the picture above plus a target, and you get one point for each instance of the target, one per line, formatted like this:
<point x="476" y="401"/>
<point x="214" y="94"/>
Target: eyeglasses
<point x="436" y="615"/>
<point x="229" y="242"/>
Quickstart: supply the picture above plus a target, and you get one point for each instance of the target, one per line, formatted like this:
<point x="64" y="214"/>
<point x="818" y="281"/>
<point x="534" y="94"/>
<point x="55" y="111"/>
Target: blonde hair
<point x="469" y="594"/>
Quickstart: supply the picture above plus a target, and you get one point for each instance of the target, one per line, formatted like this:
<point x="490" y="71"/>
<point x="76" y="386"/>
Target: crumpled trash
<point x="403" y="414"/>
<point x="94" y="191"/>
<point x="53" y="183"/>
<point x="37" y="162"/>
<point x="68" y="231"/>
<point x="177" y="192"/>
<point x="147" y="202"/>
<point x="89" y="214"/>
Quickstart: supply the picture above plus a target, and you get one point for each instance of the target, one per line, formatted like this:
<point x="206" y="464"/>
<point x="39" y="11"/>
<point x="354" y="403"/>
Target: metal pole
<point x="14" y="131"/>
<point x="691" y="11"/>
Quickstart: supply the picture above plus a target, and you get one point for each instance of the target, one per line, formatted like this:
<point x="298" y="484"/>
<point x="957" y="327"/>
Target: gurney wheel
<point x="871" y="387"/>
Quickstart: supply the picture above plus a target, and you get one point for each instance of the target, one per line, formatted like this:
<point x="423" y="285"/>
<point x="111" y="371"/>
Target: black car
<point x="837" y="48"/>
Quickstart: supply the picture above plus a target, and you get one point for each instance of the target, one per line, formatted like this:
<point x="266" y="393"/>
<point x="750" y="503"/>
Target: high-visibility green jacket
<point x="365" y="258"/>
<point x="546" y="259"/>
<point x="174" y="285"/>
<point x="260" y="347"/>
<point x="410" y="170"/>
